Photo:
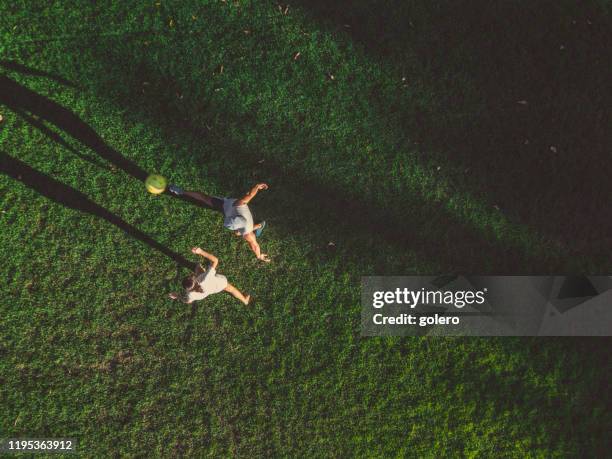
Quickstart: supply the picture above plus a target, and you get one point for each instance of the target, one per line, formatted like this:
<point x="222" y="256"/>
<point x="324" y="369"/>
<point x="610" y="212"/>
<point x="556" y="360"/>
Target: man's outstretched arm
<point x="251" y="194"/>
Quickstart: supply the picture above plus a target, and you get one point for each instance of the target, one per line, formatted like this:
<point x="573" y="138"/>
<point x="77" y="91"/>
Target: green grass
<point x="411" y="160"/>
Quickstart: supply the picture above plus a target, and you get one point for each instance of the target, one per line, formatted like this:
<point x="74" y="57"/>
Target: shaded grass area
<point x="519" y="99"/>
<point x="91" y="348"/>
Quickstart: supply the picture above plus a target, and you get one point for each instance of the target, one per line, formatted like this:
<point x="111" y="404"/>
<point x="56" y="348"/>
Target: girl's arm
<point x="214" y="261"/>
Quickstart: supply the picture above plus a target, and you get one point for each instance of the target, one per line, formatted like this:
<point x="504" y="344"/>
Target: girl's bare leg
<point x="237" y="293"/>
<point x="199" y="197"/>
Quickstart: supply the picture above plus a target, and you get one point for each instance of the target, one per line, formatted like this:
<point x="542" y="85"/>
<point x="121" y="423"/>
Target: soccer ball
<point x="155" y="184"/>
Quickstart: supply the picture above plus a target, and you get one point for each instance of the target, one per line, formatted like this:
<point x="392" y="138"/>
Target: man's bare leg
<point x="237" y="293"/>
<point x="199" y="197"/>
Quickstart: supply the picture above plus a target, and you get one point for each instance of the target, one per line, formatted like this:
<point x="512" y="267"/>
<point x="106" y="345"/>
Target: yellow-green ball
<point x="155" y="184"/>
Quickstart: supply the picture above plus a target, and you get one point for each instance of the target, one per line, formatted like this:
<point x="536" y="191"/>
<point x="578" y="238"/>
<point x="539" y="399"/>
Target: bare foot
<point x="247" y="299"/>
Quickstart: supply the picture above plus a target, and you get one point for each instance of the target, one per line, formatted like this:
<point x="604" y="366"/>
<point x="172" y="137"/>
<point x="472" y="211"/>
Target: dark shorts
<point x="217" y="203"/>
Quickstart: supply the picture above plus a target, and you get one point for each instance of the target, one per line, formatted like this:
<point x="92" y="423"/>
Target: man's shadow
<point x="17" y="67"/>
<point x="69" y="197"/>
<point x="23" y="101"/>
<point x="35" y="109"/>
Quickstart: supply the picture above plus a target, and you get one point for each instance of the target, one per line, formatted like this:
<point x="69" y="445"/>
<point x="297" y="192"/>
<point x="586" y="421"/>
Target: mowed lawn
<point x="424" y="137"/>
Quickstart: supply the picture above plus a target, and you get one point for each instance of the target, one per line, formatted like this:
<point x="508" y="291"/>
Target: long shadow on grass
<point x="21" y="99"/>
<point x="519" y="93"/>
<point x="34" y="108"/>
<point x="54" y="136"/>
<point x="18" y="67"/>
<point x="69" y="197"/>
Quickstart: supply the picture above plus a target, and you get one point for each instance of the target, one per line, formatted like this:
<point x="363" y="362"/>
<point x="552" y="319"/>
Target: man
<point x="204" y="282"/>
<point x="237" y="216"/>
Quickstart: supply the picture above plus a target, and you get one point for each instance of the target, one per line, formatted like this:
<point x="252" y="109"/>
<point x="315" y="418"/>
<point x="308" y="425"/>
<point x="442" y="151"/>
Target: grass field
<point x="418" y="137"/>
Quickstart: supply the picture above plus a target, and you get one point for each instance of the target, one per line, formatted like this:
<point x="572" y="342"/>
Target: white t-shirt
<point x="237" y="218"/>
<point x="210" y="282"/>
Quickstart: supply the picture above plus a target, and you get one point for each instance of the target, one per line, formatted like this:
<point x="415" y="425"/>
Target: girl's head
<point x="189" y="283"/>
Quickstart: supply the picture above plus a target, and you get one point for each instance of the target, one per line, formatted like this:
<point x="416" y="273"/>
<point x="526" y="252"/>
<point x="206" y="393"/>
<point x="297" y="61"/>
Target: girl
<point x="203" y="282"/>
